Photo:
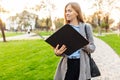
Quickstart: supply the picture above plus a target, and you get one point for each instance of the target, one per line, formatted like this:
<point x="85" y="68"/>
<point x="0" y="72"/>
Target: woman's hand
<point x="60" y="50"/>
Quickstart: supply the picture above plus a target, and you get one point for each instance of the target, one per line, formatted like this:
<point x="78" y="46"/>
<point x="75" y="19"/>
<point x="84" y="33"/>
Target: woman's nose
<point x="67" y="13"/>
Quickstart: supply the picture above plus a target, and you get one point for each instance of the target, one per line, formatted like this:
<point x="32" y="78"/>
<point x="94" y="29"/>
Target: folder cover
<point x="68" y="36"/>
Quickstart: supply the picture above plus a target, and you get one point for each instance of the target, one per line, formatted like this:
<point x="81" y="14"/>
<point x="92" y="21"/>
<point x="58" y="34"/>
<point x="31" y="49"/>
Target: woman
<point x="75" y="66"/>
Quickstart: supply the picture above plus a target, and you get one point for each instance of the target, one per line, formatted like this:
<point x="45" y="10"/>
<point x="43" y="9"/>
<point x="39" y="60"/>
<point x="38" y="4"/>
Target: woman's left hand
<point x="61" y="50"/>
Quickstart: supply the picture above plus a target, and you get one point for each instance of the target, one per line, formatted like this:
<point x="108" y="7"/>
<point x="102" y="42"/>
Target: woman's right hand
<point x="60" y="50"/>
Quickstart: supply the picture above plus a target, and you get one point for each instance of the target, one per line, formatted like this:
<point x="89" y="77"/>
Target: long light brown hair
<point x="77" y="8"/>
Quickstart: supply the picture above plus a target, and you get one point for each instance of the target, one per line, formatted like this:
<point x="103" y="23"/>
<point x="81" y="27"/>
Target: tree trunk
<point x="99" y="31"/>
<point x="99" y="27"/>
<point x="119" y="30"/>
<point x="53" y="27"/>
<point x="2" y="30"/>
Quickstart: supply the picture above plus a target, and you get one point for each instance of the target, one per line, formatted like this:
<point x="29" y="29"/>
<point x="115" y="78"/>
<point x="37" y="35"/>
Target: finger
<point x="63" y="46"/>
<point x="64" y="50"/>
<point x="58" y="52"/>
<point x="61" y="50"/>
<point x="57" y="47"/>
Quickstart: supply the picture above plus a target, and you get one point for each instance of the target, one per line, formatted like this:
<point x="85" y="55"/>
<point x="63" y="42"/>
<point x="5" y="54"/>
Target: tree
<point x="2" y="30"/>
<point x="48" y="22"/>
<point x="39" y="6"/>
<point x="48" y="6"/>
<point x="118" y="27"/>
<point x="103" y="10"/>
<point x="59" y="22"/>
<point x="2" y="10"/>
<point x="51" y="7"/>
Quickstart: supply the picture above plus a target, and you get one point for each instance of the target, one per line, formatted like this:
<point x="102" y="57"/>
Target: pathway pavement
<point x="23" y="37"/>
<point x="106" y="59"/>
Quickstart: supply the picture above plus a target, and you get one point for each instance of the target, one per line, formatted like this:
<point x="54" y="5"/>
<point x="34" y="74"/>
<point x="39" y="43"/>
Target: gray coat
<point x="84" y="59"/>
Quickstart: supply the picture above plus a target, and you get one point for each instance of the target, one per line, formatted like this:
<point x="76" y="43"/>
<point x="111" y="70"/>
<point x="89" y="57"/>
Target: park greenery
<point x="27" y="60"/>
<point x="35" y="59"/>
<point x="113" y="40"/>
<point x="8" y="34"/>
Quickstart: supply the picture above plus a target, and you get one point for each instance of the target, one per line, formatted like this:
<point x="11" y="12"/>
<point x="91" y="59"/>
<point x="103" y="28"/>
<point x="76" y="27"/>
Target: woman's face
<point x="70" y="13"/>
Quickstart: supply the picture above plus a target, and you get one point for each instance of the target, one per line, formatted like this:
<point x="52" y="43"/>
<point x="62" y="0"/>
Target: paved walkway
<point x="106" y="59"/>
<point x="23" y="37"/>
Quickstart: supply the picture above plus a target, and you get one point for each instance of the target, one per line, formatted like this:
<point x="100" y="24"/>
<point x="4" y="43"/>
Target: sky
<point x="16" y="6"/>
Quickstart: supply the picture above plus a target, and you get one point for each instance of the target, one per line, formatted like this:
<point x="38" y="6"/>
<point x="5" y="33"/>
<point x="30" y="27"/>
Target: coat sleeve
<point x="90" y="48"/>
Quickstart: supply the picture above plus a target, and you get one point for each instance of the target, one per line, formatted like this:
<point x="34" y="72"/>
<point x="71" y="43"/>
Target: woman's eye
<point x="69" y="10"/>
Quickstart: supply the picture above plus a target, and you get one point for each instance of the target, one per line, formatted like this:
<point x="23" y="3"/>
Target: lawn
<point x="44" y="33"/>
<point x="113" y="40"/>
<point x="35" y="59"/>
<point x="27" y="60"/>
<point x="8" y="34"/>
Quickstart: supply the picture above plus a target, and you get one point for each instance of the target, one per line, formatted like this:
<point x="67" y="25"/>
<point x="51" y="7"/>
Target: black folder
<point x="69" y="36"/>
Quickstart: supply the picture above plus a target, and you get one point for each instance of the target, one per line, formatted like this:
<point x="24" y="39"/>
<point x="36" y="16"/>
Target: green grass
<point x="27" y="60"/>
<point x="44" y="33"/>
<point x="113" y="40"/>
<point x="8" y="34"/>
